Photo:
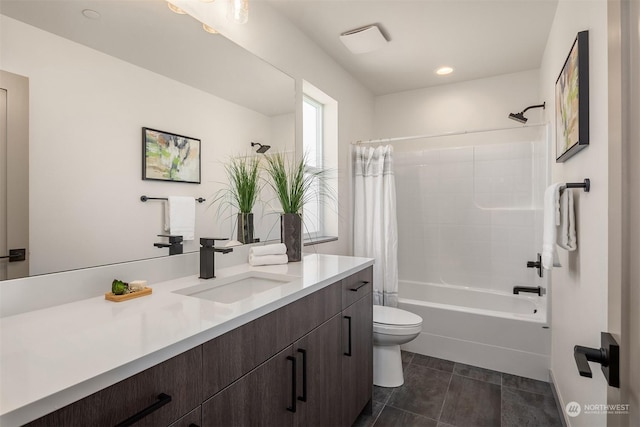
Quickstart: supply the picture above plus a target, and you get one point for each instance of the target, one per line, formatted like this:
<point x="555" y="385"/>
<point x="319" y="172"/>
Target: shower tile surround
<point x="441" y="393"/>
<point x="470" y="215"/>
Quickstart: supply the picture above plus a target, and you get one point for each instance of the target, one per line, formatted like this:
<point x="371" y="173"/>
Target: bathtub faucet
<point x="537" y="290"/>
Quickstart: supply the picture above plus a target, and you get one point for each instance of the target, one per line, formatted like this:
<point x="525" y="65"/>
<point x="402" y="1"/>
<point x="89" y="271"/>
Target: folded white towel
<point x="275" y="249"/>
<point x="566" y="234"/>
<point x="268" y="259"/>
<point x="182" y="217"/>
<point x="551" y="219"/>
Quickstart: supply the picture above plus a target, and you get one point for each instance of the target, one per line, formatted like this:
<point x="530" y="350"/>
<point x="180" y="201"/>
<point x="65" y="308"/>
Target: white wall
<point x="475" y="104"/>
<point x="579" y="307"/>
<point x="86" y="114"/>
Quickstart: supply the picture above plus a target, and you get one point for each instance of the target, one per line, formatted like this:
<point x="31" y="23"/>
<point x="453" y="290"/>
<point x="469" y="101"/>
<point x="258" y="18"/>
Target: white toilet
<point x="392" y="327"/>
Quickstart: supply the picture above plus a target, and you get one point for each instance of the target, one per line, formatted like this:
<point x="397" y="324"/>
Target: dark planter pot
<point x="291" y="235"/>
<point x="245" y="228"/>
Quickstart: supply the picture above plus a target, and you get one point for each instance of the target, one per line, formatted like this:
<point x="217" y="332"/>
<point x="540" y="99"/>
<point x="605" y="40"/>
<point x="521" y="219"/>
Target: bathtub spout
<point x="537" y="290"/>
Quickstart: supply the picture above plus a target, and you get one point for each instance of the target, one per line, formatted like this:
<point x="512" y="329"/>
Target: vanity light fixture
<point x="443" y="71"/>
<point x="238" y="11"/>
<point x="176" y="9"/>
<point x="209" y="29"/>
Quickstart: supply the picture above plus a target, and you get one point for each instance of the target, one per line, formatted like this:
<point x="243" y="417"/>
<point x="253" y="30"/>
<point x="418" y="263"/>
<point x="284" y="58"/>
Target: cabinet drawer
<point x="176" y="378"/>
<point x="230" y="356"/>
<point x="356" y="286"/>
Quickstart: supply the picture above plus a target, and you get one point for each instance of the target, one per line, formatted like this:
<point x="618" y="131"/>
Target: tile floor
<point x="441" y="393"/>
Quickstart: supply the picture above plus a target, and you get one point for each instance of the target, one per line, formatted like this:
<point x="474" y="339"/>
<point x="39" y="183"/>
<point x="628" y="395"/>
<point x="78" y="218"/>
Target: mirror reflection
<point x="95" y="80"/>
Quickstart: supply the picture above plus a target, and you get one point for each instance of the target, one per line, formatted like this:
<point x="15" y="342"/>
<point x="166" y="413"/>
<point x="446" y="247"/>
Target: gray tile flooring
<point x="441" y="393"/>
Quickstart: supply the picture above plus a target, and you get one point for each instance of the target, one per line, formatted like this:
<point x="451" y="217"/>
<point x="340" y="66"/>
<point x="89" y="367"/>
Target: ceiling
<point x="147" y="34"/>
<point x="478" y="38"/>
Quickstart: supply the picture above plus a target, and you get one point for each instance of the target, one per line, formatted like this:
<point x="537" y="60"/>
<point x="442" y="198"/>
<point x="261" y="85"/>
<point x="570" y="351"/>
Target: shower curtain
<point x="374" y="219"/>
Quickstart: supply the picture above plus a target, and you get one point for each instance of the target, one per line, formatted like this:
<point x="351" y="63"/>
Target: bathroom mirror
<point x="101" y="70"/>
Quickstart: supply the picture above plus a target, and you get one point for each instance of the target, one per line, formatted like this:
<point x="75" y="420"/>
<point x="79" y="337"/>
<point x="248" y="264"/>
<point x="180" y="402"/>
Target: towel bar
<point x="586" y="185"/>
<point x="145" y="198"/>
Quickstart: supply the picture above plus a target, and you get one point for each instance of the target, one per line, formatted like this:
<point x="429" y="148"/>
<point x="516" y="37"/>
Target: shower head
<point x="263" y="148"/>
<point x="519" y="117"/>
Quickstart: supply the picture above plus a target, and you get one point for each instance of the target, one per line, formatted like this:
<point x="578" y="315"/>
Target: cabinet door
<point x="319" y="360"/>
<point x="357" y="359"/>
<point x="263" y="397"/>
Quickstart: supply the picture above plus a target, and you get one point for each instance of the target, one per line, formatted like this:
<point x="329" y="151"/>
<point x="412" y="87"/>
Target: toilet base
<point x="387" y="366"/>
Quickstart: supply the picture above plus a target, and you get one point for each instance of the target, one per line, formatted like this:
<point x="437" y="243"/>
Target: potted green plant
<point x="242" y="192"/>
<point x="293" y="185"/>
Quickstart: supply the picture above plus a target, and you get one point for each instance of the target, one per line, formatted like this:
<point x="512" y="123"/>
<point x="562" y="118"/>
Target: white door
<point x="14" y="176"/>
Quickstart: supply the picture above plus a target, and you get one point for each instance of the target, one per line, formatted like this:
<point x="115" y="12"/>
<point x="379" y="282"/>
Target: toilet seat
<point x="394" y="321"/>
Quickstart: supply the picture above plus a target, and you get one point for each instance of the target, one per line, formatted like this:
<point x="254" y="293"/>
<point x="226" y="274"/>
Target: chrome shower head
<point x="263" y="148"/>
<point x="519" y="117"/>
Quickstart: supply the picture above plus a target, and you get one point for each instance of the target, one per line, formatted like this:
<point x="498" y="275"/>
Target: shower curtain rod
<point x="435" y="135"/>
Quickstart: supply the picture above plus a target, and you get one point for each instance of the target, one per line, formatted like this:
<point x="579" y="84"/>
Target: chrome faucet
<point x="207" y="257"/>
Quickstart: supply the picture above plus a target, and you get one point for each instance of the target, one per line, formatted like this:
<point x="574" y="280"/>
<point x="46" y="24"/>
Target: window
<point x="320" y="148"/>
<point x="312" y="144"/>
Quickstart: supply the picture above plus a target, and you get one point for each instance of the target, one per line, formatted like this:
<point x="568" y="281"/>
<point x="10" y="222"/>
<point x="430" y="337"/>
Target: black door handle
<point x="303" y="398"/>
<point x="292" y="408"/>
<point x="348" y="352"/>
<point x="16" y="255"/>
<point x="608" y="355"/>
<point x="163" y="399"/>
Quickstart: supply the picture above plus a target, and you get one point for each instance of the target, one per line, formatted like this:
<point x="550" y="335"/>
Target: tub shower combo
<point x="469" y="210"/>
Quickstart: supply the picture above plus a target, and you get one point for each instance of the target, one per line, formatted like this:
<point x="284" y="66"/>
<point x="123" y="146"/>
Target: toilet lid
<point x="395" y="316"/>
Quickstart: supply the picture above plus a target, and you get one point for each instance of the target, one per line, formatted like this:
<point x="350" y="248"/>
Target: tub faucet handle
<point x="536" y="264"/>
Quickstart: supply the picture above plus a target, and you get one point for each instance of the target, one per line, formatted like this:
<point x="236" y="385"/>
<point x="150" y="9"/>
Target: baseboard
<point x="559" y="401"/>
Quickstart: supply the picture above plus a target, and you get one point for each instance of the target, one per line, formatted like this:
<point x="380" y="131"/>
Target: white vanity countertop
<point x="52" y="357"/>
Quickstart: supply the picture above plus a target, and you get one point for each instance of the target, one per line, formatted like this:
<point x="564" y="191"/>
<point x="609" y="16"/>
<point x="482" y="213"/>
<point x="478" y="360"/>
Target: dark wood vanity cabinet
<point x="323" y="377"/>
<point x="307" y="364"/>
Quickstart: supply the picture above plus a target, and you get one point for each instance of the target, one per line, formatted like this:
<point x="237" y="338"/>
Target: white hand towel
<point x="268" y="259"/>
<point x="566" y="238"/>
<point x="275" y="249"/>
<point x="551" y="219"/>
<point x="182" y="216"/>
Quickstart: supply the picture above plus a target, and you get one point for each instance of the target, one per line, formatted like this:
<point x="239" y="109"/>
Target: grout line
<point x="446" y="393"/>
<point x="411" y="412"/>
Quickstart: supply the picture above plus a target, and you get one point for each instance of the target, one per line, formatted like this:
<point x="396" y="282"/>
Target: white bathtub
<point x="493" y="330"/>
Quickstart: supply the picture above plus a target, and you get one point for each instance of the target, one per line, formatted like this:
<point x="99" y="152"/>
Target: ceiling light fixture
<point x="176" y="9"/>
<point x="364" y="39"/>
<point x="209" y="29"/>
<point x="443" y="71"/>
<point x="91" y="14"/>
<point x="238" y="11"/>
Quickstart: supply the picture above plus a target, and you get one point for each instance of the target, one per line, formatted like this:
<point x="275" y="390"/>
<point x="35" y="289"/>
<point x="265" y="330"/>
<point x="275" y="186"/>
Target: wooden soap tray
<point x="118" y="298"/>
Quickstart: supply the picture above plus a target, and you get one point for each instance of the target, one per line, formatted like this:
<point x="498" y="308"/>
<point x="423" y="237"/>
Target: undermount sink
<point x="229" y="290"/>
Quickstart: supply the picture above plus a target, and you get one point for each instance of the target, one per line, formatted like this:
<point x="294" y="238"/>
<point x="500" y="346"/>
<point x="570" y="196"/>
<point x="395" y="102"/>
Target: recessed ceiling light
<point x="176" y="9"/>
<point x="91" y="14"/>
<point x="443" y="71"/>
<point x="209" y="29"/>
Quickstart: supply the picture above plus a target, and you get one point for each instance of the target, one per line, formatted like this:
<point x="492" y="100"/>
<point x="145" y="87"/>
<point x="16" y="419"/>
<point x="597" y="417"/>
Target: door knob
<point x="608" y="355"/>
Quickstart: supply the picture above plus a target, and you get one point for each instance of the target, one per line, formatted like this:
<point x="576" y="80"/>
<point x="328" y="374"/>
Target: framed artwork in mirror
<point x="170" y="157"/>
<point x="572" y="101"/>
